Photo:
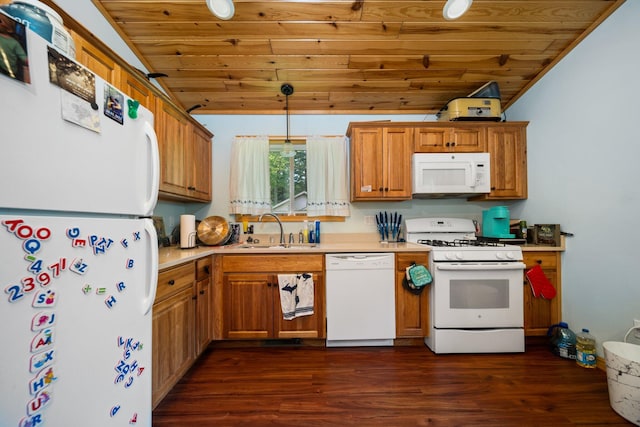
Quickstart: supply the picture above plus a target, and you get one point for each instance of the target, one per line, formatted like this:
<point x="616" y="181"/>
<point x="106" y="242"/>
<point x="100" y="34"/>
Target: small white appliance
<point x="476" y="298"/>
<point x="450" y="174"/>
<point x="80" y="257"/>
<point x="360" y="298"/>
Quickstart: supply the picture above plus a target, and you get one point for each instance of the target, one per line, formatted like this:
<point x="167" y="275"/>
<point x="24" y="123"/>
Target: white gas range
<point x="476" y="298"/>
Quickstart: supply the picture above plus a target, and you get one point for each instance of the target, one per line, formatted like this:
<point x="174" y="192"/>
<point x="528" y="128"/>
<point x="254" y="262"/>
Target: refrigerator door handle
<point x="154" y="161"/>
<point x="152" y="266"/>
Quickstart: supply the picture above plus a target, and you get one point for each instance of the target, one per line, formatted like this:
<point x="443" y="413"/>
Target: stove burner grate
<point x="479" y="242"/>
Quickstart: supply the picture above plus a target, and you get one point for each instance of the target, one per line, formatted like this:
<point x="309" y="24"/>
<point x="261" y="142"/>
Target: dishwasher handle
<point x="350" y="260"/>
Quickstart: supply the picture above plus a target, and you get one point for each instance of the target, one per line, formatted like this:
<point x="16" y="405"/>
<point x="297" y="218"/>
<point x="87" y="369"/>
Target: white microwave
<point x="450" y="174"/>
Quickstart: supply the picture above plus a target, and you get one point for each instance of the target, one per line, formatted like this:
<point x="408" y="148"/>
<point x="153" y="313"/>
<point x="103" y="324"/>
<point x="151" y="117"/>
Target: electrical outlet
<point x="636" y="323"/>
<point x="368" y="220"/>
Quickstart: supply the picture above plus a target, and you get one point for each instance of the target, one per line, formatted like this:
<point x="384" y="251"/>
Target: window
<point x="288" y="179"/>
<point x="314" y="182"/>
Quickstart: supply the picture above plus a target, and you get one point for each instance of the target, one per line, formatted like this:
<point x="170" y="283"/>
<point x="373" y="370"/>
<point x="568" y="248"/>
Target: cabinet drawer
<point x="175" y="279"/>
<point x="547" y="260"/>
<point x="294" y="263"/>
<point x="404" y="260"/>
<point x="203" y="268"/>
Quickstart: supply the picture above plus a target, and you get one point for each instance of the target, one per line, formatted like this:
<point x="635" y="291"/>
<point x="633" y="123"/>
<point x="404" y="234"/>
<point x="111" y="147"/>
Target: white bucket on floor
<point x="623" y="378"/>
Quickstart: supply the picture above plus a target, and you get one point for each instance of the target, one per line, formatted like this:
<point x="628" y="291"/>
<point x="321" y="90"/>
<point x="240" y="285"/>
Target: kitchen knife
<point x="386" y="225"/>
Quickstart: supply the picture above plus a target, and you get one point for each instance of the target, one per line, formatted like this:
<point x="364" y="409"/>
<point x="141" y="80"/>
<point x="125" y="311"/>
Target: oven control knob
<point x="459" y="256"/>
<point x="506" y="255"/>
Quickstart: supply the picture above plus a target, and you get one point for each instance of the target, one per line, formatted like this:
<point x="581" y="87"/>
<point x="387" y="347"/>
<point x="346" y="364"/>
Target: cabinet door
<point x="507" y="146"/>
<point x="95" y="60"/>
<point x="468" y="139"/>
<point x="366" y="164"/>
<point x="540" y="313"/>
<point x="412" y="311"/>
<point x="137" y="90"/>
<point x="172" y="129"/>
<point x="173" y="345"/>
<point x="199" y="164"/>
<point x="431" y="139"/>
<point x="203" y="315"/>
<point x="461" y="139"/>
<point x="248" y="302"/>
<point x="203" y="304"/>
<point x="398" y="146"/>
<point x="312" y="326"/>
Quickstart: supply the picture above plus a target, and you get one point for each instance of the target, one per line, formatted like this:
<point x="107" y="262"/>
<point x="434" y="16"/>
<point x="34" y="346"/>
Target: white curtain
<point x="327" y="176"/>
<point x="249" y="188"/>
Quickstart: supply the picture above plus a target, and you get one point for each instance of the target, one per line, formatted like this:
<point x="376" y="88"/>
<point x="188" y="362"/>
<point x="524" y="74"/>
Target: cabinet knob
<point x="192" y="188"/>
<point x="539" y="261"/>
<point x="381" y="189"/>
<point x="206" y="269"/>
<point x="386" y="188"/>
<point x="171" y="282"/>
<point x="202" y="292"/>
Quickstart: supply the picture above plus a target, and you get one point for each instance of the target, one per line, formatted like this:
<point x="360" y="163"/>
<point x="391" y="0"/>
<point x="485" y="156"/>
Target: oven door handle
<point x="481" y="267"/>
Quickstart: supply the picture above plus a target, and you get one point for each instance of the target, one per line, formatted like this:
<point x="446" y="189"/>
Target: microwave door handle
<point x="480" y="267"/>
<point x="474" y="176"/>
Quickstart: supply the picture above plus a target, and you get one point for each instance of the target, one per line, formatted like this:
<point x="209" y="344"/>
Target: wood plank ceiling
<point x="349" y="56"/>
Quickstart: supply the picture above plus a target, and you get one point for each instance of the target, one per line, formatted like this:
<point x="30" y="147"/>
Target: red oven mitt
<point x="540" y="284"/>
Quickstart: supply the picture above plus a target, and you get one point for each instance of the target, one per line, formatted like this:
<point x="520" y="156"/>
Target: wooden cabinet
<point x="412" y="311"/>
<point x="173" y="326"/>
<point x="204" y="294"/>
<point x="136" y="89"/>
<point x="199" y="157"/>
<point x="540" y="313"/>
<point x="380" y="162"/>
<point x="185" y="156"/>
<point x="96" y="60"/>
<point x="507" y="146"/>
<point x="185" y="146"/>
<point x="462" y="138"/>
<point x="250" y="298"/>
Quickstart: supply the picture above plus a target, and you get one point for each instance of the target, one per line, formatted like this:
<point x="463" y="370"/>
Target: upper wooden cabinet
<point x="96" y="60"/>
<point x="381" y="155"/>
<point x="185" y="146"/>
<point x="507" y="146"/>
<point x="185" y="156"/>
<point x="446" y="138"/>
<point x="136" y="89"/>
<point x="380" y="162"/>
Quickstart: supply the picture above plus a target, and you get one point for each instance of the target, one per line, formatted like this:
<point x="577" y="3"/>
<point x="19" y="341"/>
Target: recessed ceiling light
<point x="223" y="9"/>
<point x="454" y="9"/>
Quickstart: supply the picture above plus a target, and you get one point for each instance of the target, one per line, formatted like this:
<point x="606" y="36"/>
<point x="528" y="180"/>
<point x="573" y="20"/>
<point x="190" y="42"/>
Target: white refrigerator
<point x="78" y="184"/>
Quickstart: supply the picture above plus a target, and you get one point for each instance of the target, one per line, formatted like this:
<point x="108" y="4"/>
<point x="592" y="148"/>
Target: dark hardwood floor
<point x="400" y="386"/>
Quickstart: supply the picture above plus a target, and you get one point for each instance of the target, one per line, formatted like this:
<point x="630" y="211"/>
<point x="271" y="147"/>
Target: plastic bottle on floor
<point x="586" y="349"/>
<point x="563" y="341"/>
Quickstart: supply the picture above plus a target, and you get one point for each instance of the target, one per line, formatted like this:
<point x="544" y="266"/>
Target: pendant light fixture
<point x="454" y="9"/>
<point x="287" y="147"/>
<point x="223" y="9"/>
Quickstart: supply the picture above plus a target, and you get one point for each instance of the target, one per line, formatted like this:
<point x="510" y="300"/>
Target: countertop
<point x="173" y="255"/>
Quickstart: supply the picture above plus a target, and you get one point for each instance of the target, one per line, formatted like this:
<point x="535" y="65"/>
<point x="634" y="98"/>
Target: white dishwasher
<point x="361" y="299"/>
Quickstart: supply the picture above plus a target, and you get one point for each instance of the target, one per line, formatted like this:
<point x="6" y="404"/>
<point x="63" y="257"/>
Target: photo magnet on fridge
<point x="113" y="103"/>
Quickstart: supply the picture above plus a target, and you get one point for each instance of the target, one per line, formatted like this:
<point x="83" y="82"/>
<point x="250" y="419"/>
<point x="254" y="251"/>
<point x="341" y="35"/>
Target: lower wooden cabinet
<point x="250" y="299"/>
<point x="540" y="313"/>
<point x="173" y="329"/>
<point x="203" y="295"/>
<point x="412" y="311"/>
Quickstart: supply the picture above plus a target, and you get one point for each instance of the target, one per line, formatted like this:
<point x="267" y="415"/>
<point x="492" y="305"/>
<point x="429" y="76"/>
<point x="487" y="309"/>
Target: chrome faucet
<point x="279" y="223"/>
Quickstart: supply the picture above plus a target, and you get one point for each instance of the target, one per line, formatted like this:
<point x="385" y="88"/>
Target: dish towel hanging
<point x="296" y="294"/>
